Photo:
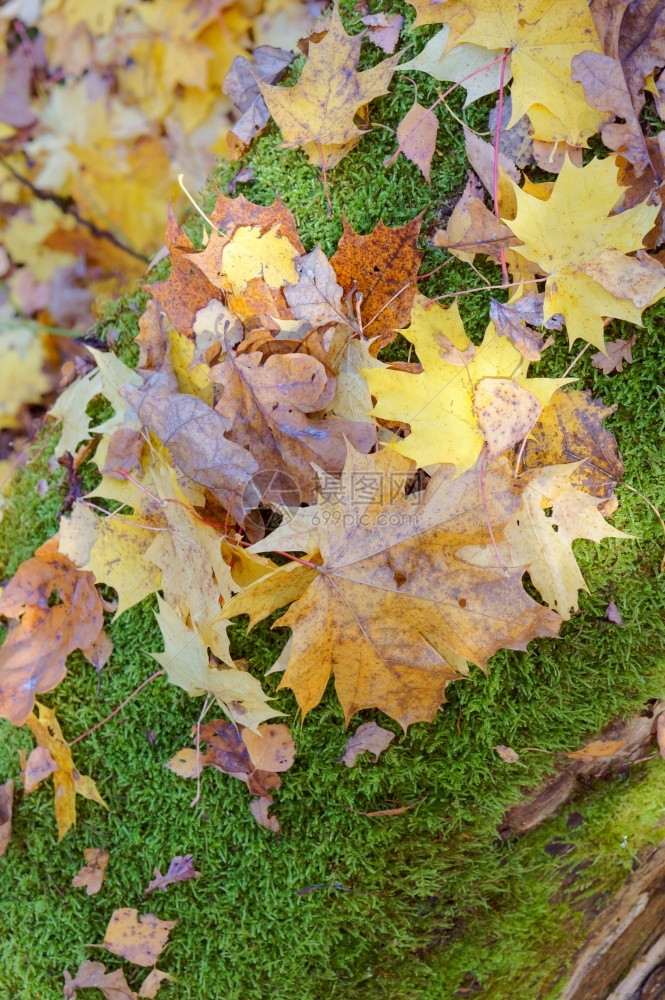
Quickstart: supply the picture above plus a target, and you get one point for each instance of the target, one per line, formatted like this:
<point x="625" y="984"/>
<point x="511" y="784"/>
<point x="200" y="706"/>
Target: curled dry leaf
<point x="260" y="810"/>
<point x="38" y="767"/>
<point x="6" y="809"/>
<point x="92" y="875"/>
<point x="151" y="984"/>
<point x="33" y="656"/>
<point x="368" y="738"/>
<point x="181" y="869"/>
<point x="138" y="939"/>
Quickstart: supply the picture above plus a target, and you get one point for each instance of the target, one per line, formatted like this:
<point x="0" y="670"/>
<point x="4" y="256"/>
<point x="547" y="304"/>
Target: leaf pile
<point x="409" y="518"/>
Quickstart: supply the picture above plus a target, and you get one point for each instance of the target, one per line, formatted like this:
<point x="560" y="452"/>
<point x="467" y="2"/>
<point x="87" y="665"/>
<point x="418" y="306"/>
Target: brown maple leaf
<point x="382" y="266"/>
<point x="570" y="429"/>
<point x="33" y="656"/>
<point x="186" y="290"/>
<point x="392" y="612"/>
<point x="619" y="352"/>
<point x="230" y="213"/>
<point x="92" y="875"/>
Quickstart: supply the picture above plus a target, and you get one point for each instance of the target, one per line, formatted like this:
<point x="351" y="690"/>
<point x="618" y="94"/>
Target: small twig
<point x="575" y="360"/>
<point x="88" y="732"/>
<point x="470" y="291"/>
<point x="197" y="207"/>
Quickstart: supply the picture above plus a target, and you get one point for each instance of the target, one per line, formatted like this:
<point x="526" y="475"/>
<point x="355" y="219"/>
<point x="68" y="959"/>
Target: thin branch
<point x="88" y="732"/>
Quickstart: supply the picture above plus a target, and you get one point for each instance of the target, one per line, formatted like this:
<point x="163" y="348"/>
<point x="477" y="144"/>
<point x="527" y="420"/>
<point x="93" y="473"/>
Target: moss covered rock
<point x="421" y="904"/>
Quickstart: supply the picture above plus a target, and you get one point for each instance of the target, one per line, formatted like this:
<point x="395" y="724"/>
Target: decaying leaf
<point x="584" y="250"/>
<point x="181" y="869"/>
<point x="472" y="228"/>
<point x="463" y="61"/>
<point x="511" y="319"/>
<point x="599" y="748"/>
<point x="570" y="429"/>
<point x="382" y="267"/>
<point x="318" y="112"/>
<point x="38" y="767"/>
<point x="368" y="738"/>
<point x="93" y="975"/>
<point x="68" y="782"/>
<point x="92" y="875"/>
<point x="384" y="30"/>
<point x="138" y="939"/>
<point x="447" y="404"/>
<point x="33" y="656"/>
<point x="316" y="297"/>
<point x="151" y="984"/>
<point x="392" y="613"/>
<point x="619" y="352"/>
<point x="6" y="809"/>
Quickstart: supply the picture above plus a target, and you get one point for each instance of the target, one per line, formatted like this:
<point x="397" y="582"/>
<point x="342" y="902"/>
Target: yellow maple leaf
<point x="253" y="254"/>
<point x="542" y="38"/>
<point x="442" y="404"/>
<point x="582" y="249"/>
<point x="67" y="781"/>
<point x="318" y="111"/>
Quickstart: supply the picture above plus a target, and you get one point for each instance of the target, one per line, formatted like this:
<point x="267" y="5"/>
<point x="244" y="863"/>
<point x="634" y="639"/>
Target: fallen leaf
<point x="181" y="869"/>
<point x="511" y="319"/>
<point x="151" y="984"/>
<point x="612" y="614"/>
<point x="368" y="738"/>
<point x="241" y="84"/>
<point x="541" y="42"/>
<point x="67" y="780"/>
<point x="472" y="228"/>
<point x="267" y="405"/>
<point x="570" y="429"/>
<point x="33" y="656"/>
<point x="22" y="379"/>
<point x="583" y="249"/>
<point x="194" y="433"/>
<point x="660" y="734"/>
<point x="384" y="30"/>
<point x="599" y="748"/>
<point x="39" y="766"/>
<point x="442" y="403"/>
<point x="260" y="810"/>
<point x="384" y="587"/>
<point x="271" y="748"/>
<point x="618" y="352"/>
<point x="93" y="975"/>
<point x="92" y="875"/>
<point x="139" y="940"/>
<point x="382" y="266"/>
<point x="318" y="112"/>
<point x="543" y="544"/>
<point x="231" y="213"/>
<point x="316" y="297"/>
<point x="507" y="754"/>
<point x="469" y="61"/>
<point x="347" y="355"/>
<point x="6" y="809"/>
<point x="416" y="138"/>
<point x="187" y="664"/>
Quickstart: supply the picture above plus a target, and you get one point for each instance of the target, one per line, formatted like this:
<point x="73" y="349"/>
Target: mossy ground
<point x="405" y="906"/>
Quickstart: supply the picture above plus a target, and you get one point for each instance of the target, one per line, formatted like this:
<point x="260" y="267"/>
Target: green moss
<point x="406" y="905"/>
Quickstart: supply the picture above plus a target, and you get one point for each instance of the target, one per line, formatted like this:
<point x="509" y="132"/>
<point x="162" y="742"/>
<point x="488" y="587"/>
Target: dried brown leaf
<point x="92" y="875"/>
<point x="368" y="738"/>
<point x="181" y="869"/>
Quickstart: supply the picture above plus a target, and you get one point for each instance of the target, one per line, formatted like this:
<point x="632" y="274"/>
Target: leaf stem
<point x="497" y="141"/>
<point x="88" y="732"/>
